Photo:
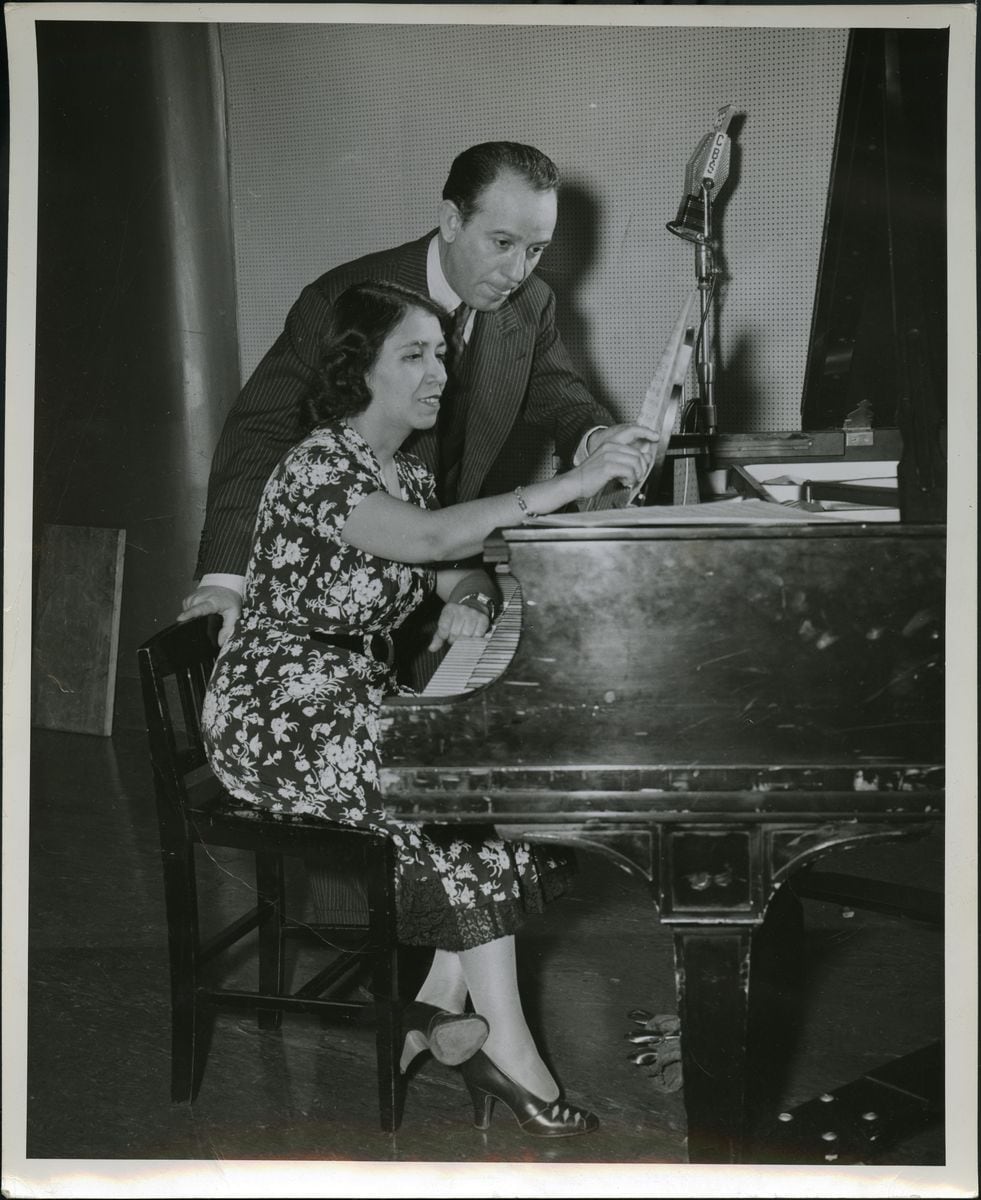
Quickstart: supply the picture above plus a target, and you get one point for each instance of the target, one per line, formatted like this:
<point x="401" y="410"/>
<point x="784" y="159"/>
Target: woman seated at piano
<point x="345" y="539"/>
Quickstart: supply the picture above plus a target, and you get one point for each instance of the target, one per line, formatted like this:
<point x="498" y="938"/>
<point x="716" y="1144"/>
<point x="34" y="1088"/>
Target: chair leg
<point x="180" y="898"/>
<point x="391" y="1088"/>
<point x="384" y="982"/>
<point x="270" y="886"/>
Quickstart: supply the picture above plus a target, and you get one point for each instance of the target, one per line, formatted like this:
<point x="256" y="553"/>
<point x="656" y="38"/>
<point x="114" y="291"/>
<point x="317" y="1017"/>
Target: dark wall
<point x="136" y="347"/>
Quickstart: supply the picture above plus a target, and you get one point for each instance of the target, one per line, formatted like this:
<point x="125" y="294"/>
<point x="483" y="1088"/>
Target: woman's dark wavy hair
<point x="360" y="320"/>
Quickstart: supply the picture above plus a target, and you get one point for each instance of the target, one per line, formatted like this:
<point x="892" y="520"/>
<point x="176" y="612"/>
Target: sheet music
<point x="659" y="410"/>
<point x="720" y="512"/>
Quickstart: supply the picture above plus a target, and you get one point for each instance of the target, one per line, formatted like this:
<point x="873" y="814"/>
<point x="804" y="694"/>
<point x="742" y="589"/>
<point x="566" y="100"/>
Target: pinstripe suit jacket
<point x="517" y="367"/>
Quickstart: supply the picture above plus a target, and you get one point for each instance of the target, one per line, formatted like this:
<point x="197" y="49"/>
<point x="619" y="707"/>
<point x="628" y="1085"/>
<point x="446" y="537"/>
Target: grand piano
<point x="716" y="706"/>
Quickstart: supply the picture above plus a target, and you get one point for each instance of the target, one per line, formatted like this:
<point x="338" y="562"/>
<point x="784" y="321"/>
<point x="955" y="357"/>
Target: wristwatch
<point x="481" y="602"/>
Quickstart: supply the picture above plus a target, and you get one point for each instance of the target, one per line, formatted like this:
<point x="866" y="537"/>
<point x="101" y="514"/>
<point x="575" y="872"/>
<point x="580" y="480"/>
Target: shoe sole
<point x="453" y="1042"/>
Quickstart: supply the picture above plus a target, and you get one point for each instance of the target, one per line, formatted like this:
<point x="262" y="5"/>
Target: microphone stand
<point x="692" y="442"/>
<point x="706" y="274"/>
<point x="707" y="170"/>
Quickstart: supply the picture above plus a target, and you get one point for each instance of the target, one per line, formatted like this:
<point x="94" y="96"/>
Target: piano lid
<point x="879" y="330"/>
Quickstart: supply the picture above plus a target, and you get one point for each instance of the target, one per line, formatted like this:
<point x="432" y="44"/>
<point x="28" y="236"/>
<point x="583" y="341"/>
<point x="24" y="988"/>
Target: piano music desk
<point x="713" y="707"/>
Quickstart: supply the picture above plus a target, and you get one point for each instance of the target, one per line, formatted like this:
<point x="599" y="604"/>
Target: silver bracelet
<point x="523" y="503"/>
<point x="480" y="602"/>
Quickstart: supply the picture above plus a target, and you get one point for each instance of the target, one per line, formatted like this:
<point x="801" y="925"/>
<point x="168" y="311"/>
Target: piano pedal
<point x="666" y="1051"/>
<point x="665" y="1024"/>
<point x="646" y="1058"/>
<point x="646" y="1039"/>
<point x="658" y="1048"/>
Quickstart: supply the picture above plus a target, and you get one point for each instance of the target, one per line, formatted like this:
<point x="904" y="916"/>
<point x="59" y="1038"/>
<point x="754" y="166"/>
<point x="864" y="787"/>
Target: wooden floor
<point x="98" y="1015"/>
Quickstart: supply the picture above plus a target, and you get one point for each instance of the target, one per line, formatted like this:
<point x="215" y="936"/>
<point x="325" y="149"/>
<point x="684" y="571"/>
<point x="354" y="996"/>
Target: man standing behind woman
<point x="496" y="218"/>
<point x="342" y="553"/>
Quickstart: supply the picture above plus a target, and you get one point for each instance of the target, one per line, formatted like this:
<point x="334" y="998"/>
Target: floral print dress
<point x="291" y="724"/>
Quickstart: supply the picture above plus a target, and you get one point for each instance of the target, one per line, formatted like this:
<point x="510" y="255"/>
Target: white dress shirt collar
<point x="439" y="288"/>
<point x="436" y="281"/>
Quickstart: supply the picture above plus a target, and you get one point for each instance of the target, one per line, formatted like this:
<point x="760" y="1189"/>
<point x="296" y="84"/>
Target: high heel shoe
<point x="541" y="1118"/>
<point x="451" y="1038"/>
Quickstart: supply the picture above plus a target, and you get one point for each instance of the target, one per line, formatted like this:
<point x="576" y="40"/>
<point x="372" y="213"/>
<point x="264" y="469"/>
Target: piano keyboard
<point x="471" y="662"/>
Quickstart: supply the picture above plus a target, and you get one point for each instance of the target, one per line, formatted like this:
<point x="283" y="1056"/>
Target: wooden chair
<point x="193" y="810"/>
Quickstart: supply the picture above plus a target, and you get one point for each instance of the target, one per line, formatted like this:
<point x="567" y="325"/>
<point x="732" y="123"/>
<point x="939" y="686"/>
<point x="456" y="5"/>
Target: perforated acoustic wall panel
<point x="341" y="137"/>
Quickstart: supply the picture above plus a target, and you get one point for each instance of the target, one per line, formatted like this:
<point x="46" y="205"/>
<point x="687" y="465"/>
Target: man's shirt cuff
<point x="581" y="452"/>
<point x="235" y="582"/>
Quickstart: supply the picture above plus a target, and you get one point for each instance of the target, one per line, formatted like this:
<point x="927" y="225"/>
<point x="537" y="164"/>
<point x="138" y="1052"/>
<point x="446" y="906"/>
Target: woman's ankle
<point x="525" y="1067"/>
<point x="436" y="998"/>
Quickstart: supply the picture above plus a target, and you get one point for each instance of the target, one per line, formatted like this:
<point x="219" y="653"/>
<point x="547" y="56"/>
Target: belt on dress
<point x="374" y="645"/>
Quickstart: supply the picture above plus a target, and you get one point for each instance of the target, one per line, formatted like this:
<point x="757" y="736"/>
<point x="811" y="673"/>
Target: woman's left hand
<point x="458" y="621"/>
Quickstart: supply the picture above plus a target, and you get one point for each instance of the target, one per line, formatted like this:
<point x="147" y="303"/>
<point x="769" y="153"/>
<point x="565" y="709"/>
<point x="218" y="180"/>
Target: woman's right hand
<point x="625" y="456"/>
<point x="211" y="599"/>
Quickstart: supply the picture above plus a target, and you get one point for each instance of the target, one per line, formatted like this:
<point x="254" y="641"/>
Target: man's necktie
<point x="452" y="418"/>
<point x="458" y="327"/>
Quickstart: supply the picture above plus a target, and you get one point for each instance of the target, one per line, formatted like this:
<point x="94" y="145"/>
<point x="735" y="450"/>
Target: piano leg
<point x="712" y="968"/>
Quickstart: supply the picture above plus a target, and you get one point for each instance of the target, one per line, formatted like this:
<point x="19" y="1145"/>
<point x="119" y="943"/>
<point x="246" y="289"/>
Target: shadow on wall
<point x="744" y="362"/>
<point x="570" y="260"/>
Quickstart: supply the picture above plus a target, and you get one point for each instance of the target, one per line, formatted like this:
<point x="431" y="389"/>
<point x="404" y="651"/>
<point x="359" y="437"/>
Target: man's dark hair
<point x="360" y="320"/>
<point x="479" y="166"/>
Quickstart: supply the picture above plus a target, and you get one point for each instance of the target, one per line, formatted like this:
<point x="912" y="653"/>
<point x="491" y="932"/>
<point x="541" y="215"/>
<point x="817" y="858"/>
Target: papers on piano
<point x="786" y="482"/>
<point x="734" y="511"/>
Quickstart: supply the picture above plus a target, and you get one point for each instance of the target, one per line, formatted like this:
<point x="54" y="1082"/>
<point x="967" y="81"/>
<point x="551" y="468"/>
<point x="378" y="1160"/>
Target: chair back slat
<point x="199" y="676"/>
<point x="190" y="699"/>
<point x="175" y="666"/>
